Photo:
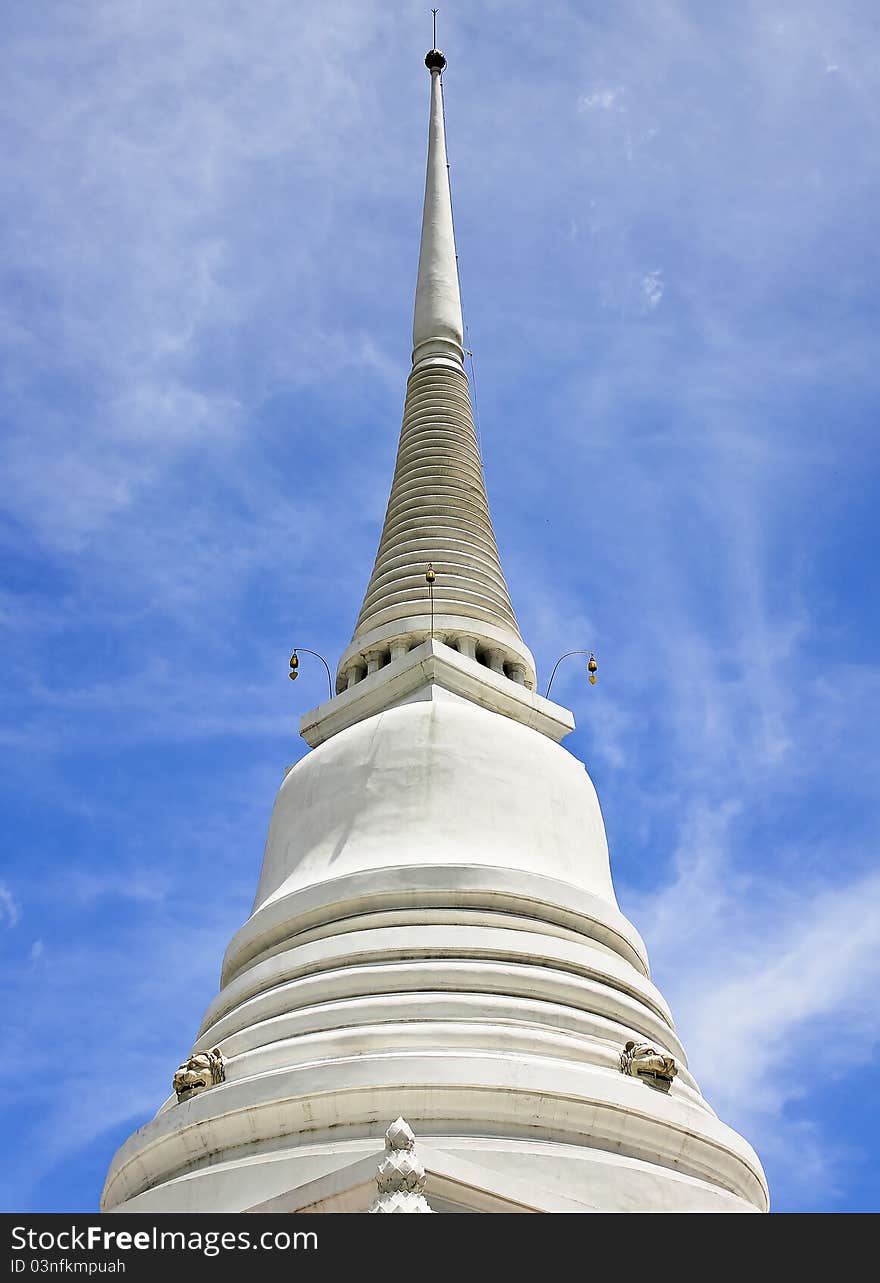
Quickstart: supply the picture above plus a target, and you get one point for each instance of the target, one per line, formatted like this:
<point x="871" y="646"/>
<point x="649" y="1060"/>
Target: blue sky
<point x="666" y="219"/>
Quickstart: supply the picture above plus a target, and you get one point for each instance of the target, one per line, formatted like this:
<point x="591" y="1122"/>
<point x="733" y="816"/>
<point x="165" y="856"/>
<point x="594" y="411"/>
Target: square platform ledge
<point x="423" y="673"/>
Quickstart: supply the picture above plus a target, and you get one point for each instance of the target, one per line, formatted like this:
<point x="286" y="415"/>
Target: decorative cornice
<point x="430" y="667"/>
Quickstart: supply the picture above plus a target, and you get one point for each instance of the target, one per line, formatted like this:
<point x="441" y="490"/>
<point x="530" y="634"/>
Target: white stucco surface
<point x="437" y="311"/>
<point x="435" y="783"/>
<point x="435" y="933"/>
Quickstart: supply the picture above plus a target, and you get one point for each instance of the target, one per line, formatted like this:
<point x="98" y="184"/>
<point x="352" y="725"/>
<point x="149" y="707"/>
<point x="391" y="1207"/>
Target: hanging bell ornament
<point x="429" y="574"/>
<point x="294" y="667"/>
<point x="592" y="669"/>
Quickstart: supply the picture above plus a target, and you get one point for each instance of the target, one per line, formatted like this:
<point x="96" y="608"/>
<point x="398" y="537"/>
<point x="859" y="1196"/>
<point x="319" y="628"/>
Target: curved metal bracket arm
<point x="305" y="650"/>
<point x="558" y="662"/>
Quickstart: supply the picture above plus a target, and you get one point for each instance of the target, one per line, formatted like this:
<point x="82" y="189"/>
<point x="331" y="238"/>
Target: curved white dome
<point x="436" y="782"/>
<point x="436" y="934"/>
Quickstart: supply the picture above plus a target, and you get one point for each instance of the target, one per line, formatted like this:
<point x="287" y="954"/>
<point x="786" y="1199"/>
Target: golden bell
<point x="592" y="669"/>
<point x="294" y="667"/>
<point x="429" y="574"/>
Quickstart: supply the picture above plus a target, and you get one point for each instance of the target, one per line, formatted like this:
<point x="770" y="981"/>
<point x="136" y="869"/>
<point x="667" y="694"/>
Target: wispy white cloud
<point x="773" y="989"/>
<point x="10" y="909"/>
<point x="68" y="1033"/>
<point x="602" y="98"/>
<point x="652" y="289"/>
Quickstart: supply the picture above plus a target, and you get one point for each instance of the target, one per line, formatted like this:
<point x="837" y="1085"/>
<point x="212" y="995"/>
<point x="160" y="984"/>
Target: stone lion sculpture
<point x="203" y="1069"/>
<point x="641" y="1060"/>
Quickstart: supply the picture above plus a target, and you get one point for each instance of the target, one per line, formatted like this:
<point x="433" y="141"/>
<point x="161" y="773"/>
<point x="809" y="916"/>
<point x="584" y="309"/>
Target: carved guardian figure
<point x="641" y="1060"/>
<point x="203" y="1069"/>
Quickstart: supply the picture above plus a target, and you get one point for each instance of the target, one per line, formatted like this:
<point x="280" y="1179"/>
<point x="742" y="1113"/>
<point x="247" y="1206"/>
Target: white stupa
<point x="435" y="937"/>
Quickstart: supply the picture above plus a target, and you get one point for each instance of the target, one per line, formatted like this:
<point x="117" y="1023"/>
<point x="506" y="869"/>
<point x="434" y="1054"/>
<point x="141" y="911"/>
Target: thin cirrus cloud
<point x="10" y="909"/>
<point x="669" y="271"/>
<point x="758" y="991"/>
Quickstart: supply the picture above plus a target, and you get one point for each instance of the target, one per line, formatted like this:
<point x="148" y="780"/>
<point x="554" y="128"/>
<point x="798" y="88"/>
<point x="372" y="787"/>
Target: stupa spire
<point x="438" y="512"/>
<point x="437" y="322"/>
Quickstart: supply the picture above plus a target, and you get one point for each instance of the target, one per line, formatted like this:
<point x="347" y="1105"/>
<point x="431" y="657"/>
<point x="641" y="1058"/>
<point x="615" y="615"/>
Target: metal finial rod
<point x="434" y="59"/>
